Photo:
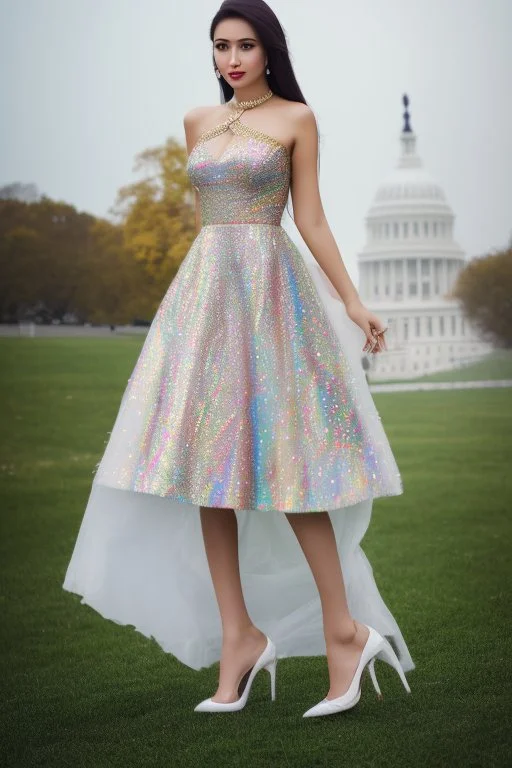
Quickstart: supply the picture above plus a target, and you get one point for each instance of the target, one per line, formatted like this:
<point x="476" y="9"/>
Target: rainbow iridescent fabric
<point x="242" y="396"/>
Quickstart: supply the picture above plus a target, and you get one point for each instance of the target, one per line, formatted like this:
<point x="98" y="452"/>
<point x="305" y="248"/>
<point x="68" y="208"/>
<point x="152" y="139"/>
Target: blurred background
<point x="96" y="212"/>
<point x="413" y="106"/>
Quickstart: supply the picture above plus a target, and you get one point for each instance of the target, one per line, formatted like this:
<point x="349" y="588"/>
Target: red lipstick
<point x="236" y="75"/>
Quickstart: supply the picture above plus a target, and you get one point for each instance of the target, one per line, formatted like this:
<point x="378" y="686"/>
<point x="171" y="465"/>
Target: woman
<point x="226" y="514"/>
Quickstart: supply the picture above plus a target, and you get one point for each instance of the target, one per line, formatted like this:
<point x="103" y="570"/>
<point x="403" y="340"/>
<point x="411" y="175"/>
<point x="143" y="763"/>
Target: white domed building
<point x="407" y="269"/>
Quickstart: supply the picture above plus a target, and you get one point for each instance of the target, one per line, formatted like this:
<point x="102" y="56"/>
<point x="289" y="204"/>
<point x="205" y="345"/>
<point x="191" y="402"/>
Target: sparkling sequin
<point x="242" y="396"/>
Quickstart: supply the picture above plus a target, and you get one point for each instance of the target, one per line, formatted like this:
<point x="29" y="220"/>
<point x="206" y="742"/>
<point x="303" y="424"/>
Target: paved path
<point x="415" y="386"/>
<point x="70" y="331"/>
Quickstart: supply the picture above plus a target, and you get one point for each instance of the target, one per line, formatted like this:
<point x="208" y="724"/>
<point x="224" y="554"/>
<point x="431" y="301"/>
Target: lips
<point x="236" y="75"/>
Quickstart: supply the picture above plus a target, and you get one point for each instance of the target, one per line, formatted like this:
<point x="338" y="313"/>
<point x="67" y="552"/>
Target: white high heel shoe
<point x="268" y="661"/>
<point x="376" y="647"/>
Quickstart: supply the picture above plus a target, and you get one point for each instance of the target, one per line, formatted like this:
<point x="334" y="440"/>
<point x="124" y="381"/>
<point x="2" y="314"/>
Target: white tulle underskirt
<point x="139" y="560"/>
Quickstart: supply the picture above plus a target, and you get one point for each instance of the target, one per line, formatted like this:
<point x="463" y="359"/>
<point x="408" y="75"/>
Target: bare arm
<point x="313" y="226"/>
<point x="308" y="210"/>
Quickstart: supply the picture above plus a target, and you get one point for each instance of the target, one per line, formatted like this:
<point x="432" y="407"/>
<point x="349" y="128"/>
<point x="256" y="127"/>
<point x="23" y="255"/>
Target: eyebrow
<point x="242" y="39"/>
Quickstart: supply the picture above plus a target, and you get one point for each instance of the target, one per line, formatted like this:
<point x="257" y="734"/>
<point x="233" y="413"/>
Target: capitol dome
<point x="410" y="251"/>
<point x="409" y="184"/>
<point x="412" y="184"/>
<point x="408" y="266"/>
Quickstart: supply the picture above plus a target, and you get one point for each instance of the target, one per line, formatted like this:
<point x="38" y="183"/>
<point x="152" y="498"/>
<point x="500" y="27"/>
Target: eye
<point x="223" y="46"/>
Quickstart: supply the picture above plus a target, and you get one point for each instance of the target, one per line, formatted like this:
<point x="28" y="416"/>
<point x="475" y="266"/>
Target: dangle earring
<point x="268" y="71"/>
<point x="218" y="73"/>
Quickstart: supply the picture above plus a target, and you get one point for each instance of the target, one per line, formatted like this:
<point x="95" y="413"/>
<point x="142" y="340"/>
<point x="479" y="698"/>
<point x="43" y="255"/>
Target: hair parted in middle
<point x="261" y="17"/>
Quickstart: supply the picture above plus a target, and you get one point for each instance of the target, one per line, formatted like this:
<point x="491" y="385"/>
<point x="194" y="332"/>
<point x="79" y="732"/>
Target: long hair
<point x="261" y="17"/>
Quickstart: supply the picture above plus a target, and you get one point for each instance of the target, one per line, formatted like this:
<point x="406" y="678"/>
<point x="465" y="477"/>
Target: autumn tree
<point x="484" y="288"/>
<point x="56" y="261"/>
<point x="43" y="251"/>
<point x="157" y="212"/>
<point x="116" y="288"/>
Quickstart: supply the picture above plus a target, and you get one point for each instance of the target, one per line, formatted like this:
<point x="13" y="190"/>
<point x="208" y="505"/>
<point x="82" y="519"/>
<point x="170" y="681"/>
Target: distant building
<point x="407" y="269"/>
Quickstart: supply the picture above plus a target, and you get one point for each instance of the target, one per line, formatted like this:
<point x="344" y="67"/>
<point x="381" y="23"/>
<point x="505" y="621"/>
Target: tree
<point x="157" y="212"/>
<point x="43" y="249"/>
<point x="27" y="193"/>
<point x="55" y="261"/>
<point x="116" y="288"/>
<point x="485" y="289"/>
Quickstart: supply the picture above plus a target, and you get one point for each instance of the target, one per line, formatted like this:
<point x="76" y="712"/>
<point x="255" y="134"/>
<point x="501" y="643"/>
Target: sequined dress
<point x="249" y="394"/>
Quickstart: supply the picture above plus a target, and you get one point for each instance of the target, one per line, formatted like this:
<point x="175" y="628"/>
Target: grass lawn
<point x="83" y="691"/>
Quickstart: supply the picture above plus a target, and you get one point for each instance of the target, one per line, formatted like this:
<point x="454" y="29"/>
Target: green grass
<point x="82" y="691"/>
<point x="496" y="365"/>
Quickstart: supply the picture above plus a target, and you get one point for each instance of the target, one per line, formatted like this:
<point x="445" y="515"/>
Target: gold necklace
<point x="252" y="103"/>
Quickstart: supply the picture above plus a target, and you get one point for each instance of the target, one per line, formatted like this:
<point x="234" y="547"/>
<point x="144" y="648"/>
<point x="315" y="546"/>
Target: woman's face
<point x="236" y="48"/>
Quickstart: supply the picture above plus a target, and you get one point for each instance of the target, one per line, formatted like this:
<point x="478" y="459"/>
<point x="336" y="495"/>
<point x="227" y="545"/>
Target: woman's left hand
<point x="370" y="324"/>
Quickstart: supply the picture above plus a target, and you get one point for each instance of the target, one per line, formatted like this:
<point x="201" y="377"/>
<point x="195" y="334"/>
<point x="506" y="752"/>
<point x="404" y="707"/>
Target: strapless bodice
<point x="247" y="183"/>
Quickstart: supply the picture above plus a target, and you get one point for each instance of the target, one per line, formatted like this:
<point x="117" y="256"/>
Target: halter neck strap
<point x="243" y="105"/>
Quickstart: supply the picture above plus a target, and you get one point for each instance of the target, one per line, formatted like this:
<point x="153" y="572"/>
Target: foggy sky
<point x="85" y="85"/>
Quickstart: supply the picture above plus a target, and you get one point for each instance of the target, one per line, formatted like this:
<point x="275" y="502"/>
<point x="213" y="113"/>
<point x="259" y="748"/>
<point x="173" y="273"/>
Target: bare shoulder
<point x="299" y="117"/>
<point x="303" y="116"/>
<point x="296" y="110"/>
<point x="197" y="115"/>
<point x="195" y="122"/>
<point x="281" y="119"/>
<point x="200" y="119"/>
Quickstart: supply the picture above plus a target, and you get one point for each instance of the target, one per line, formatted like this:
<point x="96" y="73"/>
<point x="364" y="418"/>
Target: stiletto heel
<point x="387" y="654"/>
<point x="271" y="668"/>
<point x="373" y="676"/>
<point x="268" y="661"/>
<point x="376" y="647"/>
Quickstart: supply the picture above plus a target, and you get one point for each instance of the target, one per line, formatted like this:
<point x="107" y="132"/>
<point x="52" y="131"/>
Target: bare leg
<point x="242" y="642"/>
<point x="344" y="637"/>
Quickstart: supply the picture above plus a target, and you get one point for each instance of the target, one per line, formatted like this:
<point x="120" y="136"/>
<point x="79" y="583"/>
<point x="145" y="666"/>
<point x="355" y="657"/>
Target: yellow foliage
<point x="157" y="212"/>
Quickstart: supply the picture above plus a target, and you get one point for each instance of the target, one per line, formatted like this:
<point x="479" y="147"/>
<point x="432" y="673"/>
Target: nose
<point x="234" y="60"/>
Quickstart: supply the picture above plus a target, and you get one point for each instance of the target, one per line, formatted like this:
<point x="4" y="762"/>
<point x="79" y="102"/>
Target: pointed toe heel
<point x="376" y="647"/>
<point x="268" y="661"/>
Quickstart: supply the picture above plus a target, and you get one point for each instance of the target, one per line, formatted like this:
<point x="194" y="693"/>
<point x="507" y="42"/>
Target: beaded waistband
<point x="241" y="224"/>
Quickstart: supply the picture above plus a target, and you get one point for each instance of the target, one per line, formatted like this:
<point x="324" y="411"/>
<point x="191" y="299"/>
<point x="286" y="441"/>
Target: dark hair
<point x="261" y="17"/>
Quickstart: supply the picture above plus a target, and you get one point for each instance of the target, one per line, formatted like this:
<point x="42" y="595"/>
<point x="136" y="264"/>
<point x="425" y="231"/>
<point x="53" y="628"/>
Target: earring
<point x="268" y="71"/>
<point x="218" y="73"/>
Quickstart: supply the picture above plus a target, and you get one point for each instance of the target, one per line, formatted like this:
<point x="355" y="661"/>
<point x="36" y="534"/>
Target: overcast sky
<point x="85" y="85"/>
